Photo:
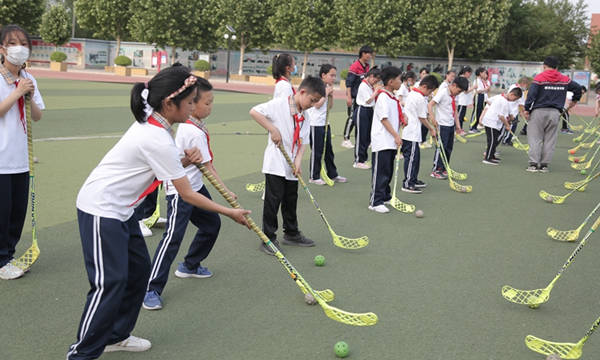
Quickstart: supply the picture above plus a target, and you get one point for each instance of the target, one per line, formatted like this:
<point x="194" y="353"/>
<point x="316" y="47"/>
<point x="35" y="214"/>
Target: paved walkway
<point x="218" y="84"/>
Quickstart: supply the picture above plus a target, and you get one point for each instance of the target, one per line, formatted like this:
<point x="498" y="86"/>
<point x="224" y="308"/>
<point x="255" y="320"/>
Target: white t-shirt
<point x="514" y="105"/>
<point x="14" y="152"/>
<point x="464" y="98"/>
<point x="386" y="106"/>
<point x="144" y="152"/>
<point x="403" y="93"/>
<point x="278" y="112"/>
<point x="499" y="107"/>
<point x="317" y="116"/>
<point x="283" y="87"/>
<point x="364" y="93"/>
<point x="415" y="108"/>
<point x="444" y="113"/>
<point x="189" y="136"/>
<point x="443" y="86"/>
<point x="482" y="85"/>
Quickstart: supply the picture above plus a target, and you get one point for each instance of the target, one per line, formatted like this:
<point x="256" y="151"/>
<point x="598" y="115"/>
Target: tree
<point x="593" y="52"/>
<point x="388" y="26"/>
<point x="25" y="13"/>
<point x="107" y="18"/>
<point x="55" y="27"/>
<point x="464" y="27"/>
<point x="186" y="24"/>
<point x="247" y="17"/>
<point x="304" y="25"/>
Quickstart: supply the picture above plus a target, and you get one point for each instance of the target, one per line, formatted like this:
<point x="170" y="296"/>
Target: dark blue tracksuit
<point x="179" y="213"/>
<point x="364" y="119"/>
<point x="14" y="191"/>
<point x="446" y="136"/>
<point x="317" y="136"/>
<point x="381" y="176"/>
<point x="118" y="264"/>
<point x="412" y="160"/>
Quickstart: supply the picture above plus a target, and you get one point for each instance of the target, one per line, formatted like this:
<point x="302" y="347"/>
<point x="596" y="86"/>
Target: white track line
<point x="79" y="138"/>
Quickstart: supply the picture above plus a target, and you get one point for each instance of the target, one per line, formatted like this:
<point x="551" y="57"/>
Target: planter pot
<point x="237" y="77"/>
<point x="109" y="69"/>
<point x="139" y="71"/>
<point x="58" y="66"/>
<point x="266" y="80"/>
<point x="202" y="74"/>
<point x="343" y="85"/>
<point x="122" y="70"/>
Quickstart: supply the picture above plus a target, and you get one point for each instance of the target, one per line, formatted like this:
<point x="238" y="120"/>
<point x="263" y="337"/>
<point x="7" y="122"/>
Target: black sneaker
<point x="419" y="184"/>
<point x="543" y="168"/>
<point x="267" y="250"/>
<point x="297" y="240"/>
<point x="412" y="189"/>
<point x="532" y="168"/>
<point x="523" y="132"/>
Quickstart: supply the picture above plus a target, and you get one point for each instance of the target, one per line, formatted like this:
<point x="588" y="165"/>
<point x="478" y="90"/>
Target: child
<point x="517" y="107"/>
<point x="365" y="100"/>
<point x="424" y="144"/>
<point x="565" y="111"/>
<point x="319" y="128"/>
<point x="597" y="91"/>
<point x="14" y="161"/>
<point x="283" y="118"/>
<point x="464" y="99"/>
<point x="356" y="73"/>
<point x="416" y="117"/>
<point x="115" y="254"/>
<point x="482" y="89"/>
<point x="408" y="80"/>
<point x="450" y="76"/>
<point x="446" y="121"/>
<point x="190" y="134"/>
<point x="494" y="117"/>
<point x="282" y="68"/>
<point x="385" y="137"/>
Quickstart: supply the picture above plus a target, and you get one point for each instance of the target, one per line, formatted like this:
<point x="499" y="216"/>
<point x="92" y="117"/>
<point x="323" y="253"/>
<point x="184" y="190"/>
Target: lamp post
<point x="229" y="36"/>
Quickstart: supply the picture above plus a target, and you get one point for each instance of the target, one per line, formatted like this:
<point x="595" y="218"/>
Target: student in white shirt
<point x="450" y="76"/>
<point x="284" y="119"/>
<point x="482" y="90"/>
<point x="190" y="134"/>
<point x="15" y="84"/>
<point x="363" y="113"/>
<point x="415" y="113"/>
<point x="282" y="68"/>
<point x="464" y="99"/>
<point x="114" y="250"/>
<point x="320" y="131"/>
<point x="408" y="81"/>
<point x="565" y="111"/>
<point x="445" y="119"/>
<point x="518" y="108"/>
<point x="496" y="115"/>
<point x="385" y="138"/>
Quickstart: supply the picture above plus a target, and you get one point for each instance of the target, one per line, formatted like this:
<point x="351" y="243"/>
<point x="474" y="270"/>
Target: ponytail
<point x="280" y="62"/>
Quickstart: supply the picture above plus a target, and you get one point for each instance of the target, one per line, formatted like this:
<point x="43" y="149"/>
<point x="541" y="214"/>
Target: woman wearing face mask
<point x="15" y="83"/>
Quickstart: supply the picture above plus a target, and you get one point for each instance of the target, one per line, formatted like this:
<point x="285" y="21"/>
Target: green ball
<point x="341" y="349"/>
<point x="583" y="172"/>
<point x="319" y="260"/>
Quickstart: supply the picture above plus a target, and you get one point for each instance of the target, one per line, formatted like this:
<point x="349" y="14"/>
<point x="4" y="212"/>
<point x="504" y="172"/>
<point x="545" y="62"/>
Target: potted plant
<point x="343" y="76"/>
<point x="265" y="80"/>
<point x="122" y="62"/>
<point x="57" y="59"/>
<point x="202" y="68"/>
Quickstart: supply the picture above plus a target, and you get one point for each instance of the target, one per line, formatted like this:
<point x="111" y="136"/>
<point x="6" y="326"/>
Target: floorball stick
<point x="570" y="235"/>
<point x="555" y="199"/>
<point x="394" y="201"/>
<point x="564" y="350"/>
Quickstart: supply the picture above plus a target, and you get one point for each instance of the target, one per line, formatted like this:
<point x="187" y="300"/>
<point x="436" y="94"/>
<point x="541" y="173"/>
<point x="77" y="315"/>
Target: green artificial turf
<point x="434" y="282"/>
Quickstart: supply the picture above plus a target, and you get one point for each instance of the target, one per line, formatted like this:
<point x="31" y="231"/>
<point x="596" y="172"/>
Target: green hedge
<point x="344" y="74"/>
<point x="58" y="56"/>
<point x="201" y="65"/>
<point x="122" y="60"/>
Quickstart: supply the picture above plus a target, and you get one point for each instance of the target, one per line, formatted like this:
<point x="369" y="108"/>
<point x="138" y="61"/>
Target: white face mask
<point x="17" y="55"/>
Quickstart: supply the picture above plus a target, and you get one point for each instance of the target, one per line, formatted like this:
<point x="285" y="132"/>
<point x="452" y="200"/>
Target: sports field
<point x="434" y="282"/>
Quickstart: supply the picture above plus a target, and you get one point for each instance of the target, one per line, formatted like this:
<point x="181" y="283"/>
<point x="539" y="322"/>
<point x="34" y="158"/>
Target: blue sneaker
<point x="152" y="301"/>
<point x="201" y="272"/>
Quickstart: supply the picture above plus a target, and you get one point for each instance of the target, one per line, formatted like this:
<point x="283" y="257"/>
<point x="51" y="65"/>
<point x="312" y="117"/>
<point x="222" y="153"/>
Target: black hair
<point x="462" y="83"/>
<point x="517" y="92"/>
<point x="365" y="49"/>
<point x="430" y="82"/>
<point x="424" y="69"/>
<point x="450" y="71"/>
<point x="390" y="73"/>
<point x="480" y="70"/>
<point x="203" y="86"/>
<point x="552" y="62"/>
<point x="583" y="89"/>
<point x="163" y="84"/>
<point x="313" y="85"/>
<point x="280" y="62"/>
<point x="9" y="29"/>
<point x="375" y="71"/>
<point x="465" y="69"/>
<point x="325" y="69"/>
<point x="408" y="75"/>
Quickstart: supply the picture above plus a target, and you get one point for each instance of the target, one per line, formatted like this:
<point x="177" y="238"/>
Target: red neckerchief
<point x="298" y="120"/>
<point x="453" y="105"/>
<point x="486" y="83"/>
<point x="369" y="85"/>
<point x="419" y="91"/>
<point x="400" y="115"/>
<point x="286" y="79"/>
<point x="202" y="126"/>
<point x="156" y="120"/>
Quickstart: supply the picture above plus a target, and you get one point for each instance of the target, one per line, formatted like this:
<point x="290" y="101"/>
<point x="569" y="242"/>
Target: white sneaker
<point x="361" y="165"/>
<point x="161" y="222"/>
<point x="262" y="197"/>
<point x="132" y="343"/>
<point x="382" y="209"/>
<point x="425" y="145"/>
<point x="145" y="230"/>
<point x="10" y="272"/>
<point x="347" y="144"/>
<point x="316" y="182"/>
<point x="340" y="179"/>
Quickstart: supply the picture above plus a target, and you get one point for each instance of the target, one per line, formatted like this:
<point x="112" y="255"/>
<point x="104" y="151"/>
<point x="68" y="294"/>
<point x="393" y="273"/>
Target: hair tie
<point x="148" y="110"/>
<point x="191" y="80"/>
